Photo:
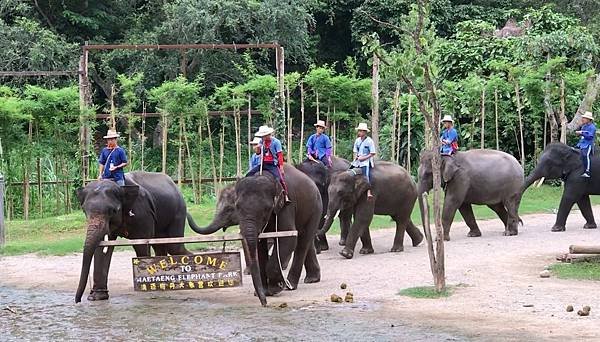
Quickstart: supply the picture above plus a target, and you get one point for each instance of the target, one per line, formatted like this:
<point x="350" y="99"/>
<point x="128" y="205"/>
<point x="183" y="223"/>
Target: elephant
<point x="395" y="194"/>
<point x="149" y="205"/>
<point x="560" y="161"/>
<point x="483" y="177"/>
<point x="320" y="174"/>
<point x="257" y="204"/>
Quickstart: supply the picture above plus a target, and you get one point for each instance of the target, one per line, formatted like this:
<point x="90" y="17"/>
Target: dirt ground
<point x="500" y="294"/>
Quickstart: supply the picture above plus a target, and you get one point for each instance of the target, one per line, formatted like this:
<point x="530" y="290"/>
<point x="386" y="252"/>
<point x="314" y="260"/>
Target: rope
<point x="287" y="283"/>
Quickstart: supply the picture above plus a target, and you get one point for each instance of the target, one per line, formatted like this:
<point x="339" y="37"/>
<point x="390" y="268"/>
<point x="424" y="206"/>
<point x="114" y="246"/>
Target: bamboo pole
<point x="212" y="154"/>
<point x="496" y="117"/>
<point x="39" y="186"/>
<point x="26" y="187"/>
<point x="238" y="152"/>
<point x="483" y="118"/>
<point x="249" y="115"/>
<point x="545" y="130"/>
<point x="2" y="227"/>
<point x="301" y="147"/>
<point x="165" y="136"/>
<point x="375" y="100"/>
<point x="408" y="132"/>
<point x="190" y="163"/>
<point x="180" y="153"/>
<point x="200" y="156"/>
<point x="288" y="121"/>
<point x="113" y="110"/>
<point x="518" y="98"/>
<point x="399" y="135"/>
<point x="395" y="120"/>
<point x="143" y="133"/>
<point x="221" y="152"/>
<point x="317" y="99"/>
<point x="563" y="117"/>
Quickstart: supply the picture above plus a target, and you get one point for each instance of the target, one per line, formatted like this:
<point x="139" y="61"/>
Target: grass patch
<point x="64" y="234"/>
<point x="579" y="270"/>
<point x="426" y="292"/>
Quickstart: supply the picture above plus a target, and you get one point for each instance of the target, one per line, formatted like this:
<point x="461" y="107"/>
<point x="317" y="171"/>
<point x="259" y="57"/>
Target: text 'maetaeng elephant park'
<point x="242" y="170"/>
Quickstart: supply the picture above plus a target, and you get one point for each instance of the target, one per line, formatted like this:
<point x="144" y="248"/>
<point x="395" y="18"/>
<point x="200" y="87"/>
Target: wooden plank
<point x="578" y="258"/>
<point x="184" y="181"/>
<point x="157" y="115"/>
<point x="575" y="249"/>
<point x="192" y="239"/>
<point x="178" y="46"/>
<point x="38" y="73"/>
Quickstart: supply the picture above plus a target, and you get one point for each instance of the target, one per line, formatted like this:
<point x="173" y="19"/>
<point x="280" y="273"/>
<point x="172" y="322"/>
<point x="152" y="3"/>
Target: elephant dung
<point x="583" y="313"/>
<point x="343" y="286"/>
<point x="283" y="305"/>
<point x="336" y="299"/>
<point x="569" y="308"/>
<point x="586" y="309"/>
<point x="545" y="274"/>
<point x="349" y="297"/>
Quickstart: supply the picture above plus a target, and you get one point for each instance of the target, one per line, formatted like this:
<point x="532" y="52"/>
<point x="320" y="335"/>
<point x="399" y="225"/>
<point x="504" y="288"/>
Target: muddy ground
<point x="499" y="296"/>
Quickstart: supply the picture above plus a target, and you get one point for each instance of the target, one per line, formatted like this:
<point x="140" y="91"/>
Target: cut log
<point x="575" y="249"/>
<point x="578" y="258"/>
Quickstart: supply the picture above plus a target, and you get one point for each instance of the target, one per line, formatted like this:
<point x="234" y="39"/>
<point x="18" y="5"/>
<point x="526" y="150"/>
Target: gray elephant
<point x="257" y="204"/>
<point x="149" y="205"/>
<point x="484" y="177"/>
<point x="395" y="194"/>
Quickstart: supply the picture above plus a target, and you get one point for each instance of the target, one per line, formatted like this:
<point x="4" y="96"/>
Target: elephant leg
<point x="159" y="250"/>
<point x="415" y="234"/>
<point x="313" y="270"/>
<point x="363" y="215"/>
<point x="466" y="210"/>
<point x="282" y="251"/>
<point x="448" y="213"/>
<point x="566" y="203"/>
<point x="345" y="217"/>
<point x="398" y="245"/>
<point x="177" y="249"/>
<point x="263" y="256"/>
<point x="144" y="250"/>
<point x="500" y="210"/>
<point x="586" y="210"/>
<point x="367" y="244"/>
<point x="301" y="252"/>
<point x="101" y="267"/>
<point x="512" y="208"/>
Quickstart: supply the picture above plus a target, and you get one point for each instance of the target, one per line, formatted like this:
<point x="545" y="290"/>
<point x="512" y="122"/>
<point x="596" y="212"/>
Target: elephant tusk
<point x="540" y="182"/>
<point x="105" y="249"/>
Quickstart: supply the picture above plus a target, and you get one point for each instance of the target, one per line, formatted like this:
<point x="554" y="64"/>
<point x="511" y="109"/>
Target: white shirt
<point x="364" y="148"/>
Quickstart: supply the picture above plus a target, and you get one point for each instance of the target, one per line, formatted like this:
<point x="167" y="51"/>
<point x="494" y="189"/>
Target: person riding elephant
<point x="149" y="205"/>
<point x="364" y="152"/>
<point x="321" y="176"/>
<point x="256" y="203"/>
<point x="483" y="177"/>
<point x="560" y="161"/>
<point x="318" y="145"/>
<point x="112" y="160"/>
<point x="255" y="158"/>
<point x="448" y="137"/>
<point x="586" y="142"/>
<point x="395" y="194"/>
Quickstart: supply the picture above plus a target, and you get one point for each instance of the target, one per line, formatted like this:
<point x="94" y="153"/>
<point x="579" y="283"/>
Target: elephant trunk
<point x="422" y="188"/>
<point x="210" y="229"/>
<point x="532" y="178"/>
<point x="331" y="212"/>
<point x="97" y="228"/>
<point x="250" y="234"/>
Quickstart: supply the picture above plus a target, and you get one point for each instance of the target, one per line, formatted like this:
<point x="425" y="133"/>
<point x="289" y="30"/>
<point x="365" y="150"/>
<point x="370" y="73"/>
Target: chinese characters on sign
<point x="185" y="272"/>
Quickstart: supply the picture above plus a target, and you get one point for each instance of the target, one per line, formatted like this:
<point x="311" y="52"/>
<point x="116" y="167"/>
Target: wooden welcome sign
<point x="187" y="272"/>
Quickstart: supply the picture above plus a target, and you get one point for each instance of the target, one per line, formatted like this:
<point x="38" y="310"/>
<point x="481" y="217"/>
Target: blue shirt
<point x="254" y="160"/>
<point x="274" y="148"/>
<point x="450" y="135"/>
<point x="319" y="145"/>
<point x="588" y="132"/>
<point x="117" y="157"/>
<point x="364" y="147"/>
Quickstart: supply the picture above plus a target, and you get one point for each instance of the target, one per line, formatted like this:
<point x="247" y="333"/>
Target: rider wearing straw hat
<point x="255" y="158"/>
<point x="271" y="157"/>
<point x="586" y="142"/>
<point x="449" y="137"/>
<point x="364" y="151"/>
<point x="318" y="146"/>
<point x="112" y="159"/>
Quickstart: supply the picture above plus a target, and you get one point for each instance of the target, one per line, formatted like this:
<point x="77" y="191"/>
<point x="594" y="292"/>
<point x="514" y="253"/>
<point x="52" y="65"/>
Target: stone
<point x="545" y="274"/>
<point x="569" y="308"/>
<point x="343" y="286"/>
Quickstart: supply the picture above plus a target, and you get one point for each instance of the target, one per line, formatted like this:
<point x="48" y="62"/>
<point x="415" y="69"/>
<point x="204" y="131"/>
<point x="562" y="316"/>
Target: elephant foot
<point x="97" y="295"/>
<point x="474" y="233"/>
<point x="590" y="226"/>
<point x="342" y="242"/>
<point x="510" y="232"/>
<point x="324" y="247"/>
<point x="346" y="253"/>
<point x="274" y="289"/>
<point x="446" y="237"/>
<point x="417" y="241"/>
<point x="397" y="249"/>
<point x="366" y="250"/>
<point x="312" y="279"/>
<point x="558" y="229"/>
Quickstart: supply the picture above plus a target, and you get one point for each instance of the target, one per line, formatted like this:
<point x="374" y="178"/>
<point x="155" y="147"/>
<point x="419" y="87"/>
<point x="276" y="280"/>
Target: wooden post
<point x="238" y="152"/>
<point x="375" y="100"/>
<point x="395" y="121"/>
<point x="38" y="167"/>
<point x="113" y="110"/>
<point x="399" y="135"/>
<point x="483" y="118"/>
<point x="249" y="125"/>
<point x="200" y="156"/>
<point x="212" y="154"/>
<point x="317" y="99"/>
<point x="143" y="132"/>
<point x="408" y="130"/>
<point x="289" y="123"/>
<point x="301" y="147"/>
<point x="84" y="101"/>
<point x="26" y="187"/>
<point x="180" y="153"/>
<point x="563" y="117"/>
<point x="518" y="98"/>
<point x="2" y="232"/>
<point x="496" y="115"/>
<point x="165" y="136"/>
<point x="221" y="151"/>
<point x="545" y="131"/>
<point x="190" y="163"/>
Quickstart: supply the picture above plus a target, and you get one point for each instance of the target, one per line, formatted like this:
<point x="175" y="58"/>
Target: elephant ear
<point x="450" y="167"/>
<point x="81" y="195"/>
<point x="130" y="195"/>
<point x="360" y="187"/>
<point x="278" y="203"/>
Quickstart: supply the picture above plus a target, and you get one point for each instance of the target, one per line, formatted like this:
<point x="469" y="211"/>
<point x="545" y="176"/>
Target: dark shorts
<point x="366" y="171"/>
<point x="268" y="167"/>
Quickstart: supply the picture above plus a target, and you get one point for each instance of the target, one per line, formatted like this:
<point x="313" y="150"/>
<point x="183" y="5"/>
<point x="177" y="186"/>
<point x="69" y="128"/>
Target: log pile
<point x="581" y="254"/>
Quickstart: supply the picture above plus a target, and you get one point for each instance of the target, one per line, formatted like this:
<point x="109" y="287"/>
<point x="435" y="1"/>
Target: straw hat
<point x="363" y="127"/>
<point x="588" y="115"/>
<point x="111" y="134"/>
<point x="264" y="130"/>
<point x="255" y="141"/>
<point x="447" y="118"/>
<point x="320" y="123"/>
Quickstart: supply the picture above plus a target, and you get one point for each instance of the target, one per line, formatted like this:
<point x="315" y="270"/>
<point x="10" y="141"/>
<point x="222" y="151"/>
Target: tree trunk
<point x="483" y="118"/>
<point x="519" y="108"/>
<point x="164" y="132"/>
<point x="562" y="116"/>
<point x="212" y="154"/>
<point x="496" y="118"/>
<point x="375" y="101"/>
<point x="301" y="145"/>
<point x="395" y="121"/>
<point x="593" y="85"/>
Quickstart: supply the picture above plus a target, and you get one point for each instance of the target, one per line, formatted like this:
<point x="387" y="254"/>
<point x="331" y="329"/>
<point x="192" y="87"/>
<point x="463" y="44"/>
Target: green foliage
<point x="426" y="292"/>
<point x="579" y="271"/>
